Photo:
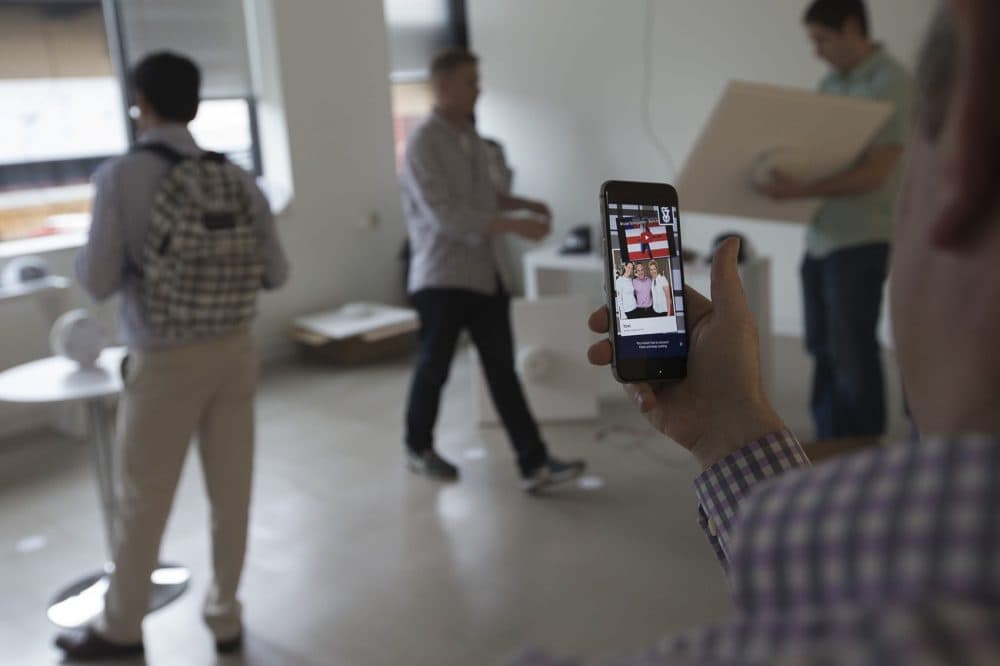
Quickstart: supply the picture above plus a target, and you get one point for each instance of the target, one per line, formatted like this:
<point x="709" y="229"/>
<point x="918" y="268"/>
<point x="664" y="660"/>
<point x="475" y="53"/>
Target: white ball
<point x="79" y="337"/>
<point x="535" y="364"/>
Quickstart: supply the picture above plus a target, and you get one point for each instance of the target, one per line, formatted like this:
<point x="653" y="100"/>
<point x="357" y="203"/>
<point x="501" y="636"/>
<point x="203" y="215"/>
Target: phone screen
<point x="647" y="279"/>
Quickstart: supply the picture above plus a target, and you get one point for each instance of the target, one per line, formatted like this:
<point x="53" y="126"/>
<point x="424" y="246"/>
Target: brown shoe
<point x="85" y="644"/>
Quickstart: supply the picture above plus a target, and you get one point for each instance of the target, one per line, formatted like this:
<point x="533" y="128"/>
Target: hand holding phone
<point x="721" y="405"/>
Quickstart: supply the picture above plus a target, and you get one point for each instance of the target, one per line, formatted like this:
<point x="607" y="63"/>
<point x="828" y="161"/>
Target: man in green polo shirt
<point x="847" y="244"/>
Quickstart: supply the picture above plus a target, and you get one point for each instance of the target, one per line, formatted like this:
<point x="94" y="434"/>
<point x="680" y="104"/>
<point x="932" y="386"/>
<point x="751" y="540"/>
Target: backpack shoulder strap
<point x="162" y="150"/>
<point x="211" y="156"/>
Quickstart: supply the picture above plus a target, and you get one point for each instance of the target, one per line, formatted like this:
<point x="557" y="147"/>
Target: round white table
<point x="58" y="380"/>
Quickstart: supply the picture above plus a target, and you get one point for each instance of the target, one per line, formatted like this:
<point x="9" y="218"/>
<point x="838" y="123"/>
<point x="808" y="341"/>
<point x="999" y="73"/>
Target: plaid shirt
<point x="449" y="199"/>
<point x="891" y="556"/>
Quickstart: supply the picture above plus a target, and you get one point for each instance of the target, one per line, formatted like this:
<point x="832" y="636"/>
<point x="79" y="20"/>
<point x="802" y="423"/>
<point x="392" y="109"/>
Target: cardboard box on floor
<point x="356" y="333"/>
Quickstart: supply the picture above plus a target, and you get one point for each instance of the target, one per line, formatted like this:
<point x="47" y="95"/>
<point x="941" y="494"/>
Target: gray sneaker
<point x="550" y="473"/>
<point x="431" y="465"/>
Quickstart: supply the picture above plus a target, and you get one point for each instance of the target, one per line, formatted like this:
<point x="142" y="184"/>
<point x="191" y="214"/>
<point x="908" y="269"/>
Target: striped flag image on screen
<point x="647" y="241"/>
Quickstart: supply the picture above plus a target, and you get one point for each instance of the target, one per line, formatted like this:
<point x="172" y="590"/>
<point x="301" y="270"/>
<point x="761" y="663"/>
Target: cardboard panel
<point x="756" y="126"/>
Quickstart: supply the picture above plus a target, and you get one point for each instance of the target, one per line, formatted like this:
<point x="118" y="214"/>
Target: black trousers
<point x="444" y="313"/>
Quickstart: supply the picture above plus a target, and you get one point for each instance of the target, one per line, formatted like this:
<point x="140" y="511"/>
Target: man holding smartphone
<point x="887" y="556"/>
<point x="847" y="244"/>
<point x="453" y="212"/>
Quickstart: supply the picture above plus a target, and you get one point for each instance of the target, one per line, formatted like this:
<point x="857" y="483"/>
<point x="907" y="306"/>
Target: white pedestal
<point x="551" y="339"/>
<point x="57" y="380"/>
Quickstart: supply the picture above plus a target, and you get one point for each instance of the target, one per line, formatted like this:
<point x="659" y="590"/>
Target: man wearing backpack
<point x="186" y="239"/>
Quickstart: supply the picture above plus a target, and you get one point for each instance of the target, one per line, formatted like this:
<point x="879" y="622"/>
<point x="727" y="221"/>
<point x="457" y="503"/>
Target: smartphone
<point x="644" y="281"/>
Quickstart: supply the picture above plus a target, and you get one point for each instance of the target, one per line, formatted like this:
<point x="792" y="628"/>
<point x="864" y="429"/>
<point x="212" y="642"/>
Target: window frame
<point x="119" y="61"/>
<point x="457" y="26"/>
<point x="22" y="176"/>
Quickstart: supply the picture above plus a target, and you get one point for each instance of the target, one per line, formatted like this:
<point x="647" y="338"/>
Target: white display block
<point x="546" y="265"/>
<point x="551" y="341"/>
<point x="755" y="127"/>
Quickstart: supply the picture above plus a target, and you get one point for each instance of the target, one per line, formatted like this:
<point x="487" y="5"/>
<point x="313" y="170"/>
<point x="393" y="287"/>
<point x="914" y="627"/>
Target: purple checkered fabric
<point x="722" y="488"/>
<point x="891" y="556"/>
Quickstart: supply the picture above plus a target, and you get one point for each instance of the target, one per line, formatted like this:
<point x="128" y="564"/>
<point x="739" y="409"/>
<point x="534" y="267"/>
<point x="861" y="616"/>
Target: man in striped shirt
<point x="454" y="212"/>
<point x="890" y="556"/>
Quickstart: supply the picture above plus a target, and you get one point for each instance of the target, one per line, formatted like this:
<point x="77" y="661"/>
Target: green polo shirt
<point x="862" y="219"/>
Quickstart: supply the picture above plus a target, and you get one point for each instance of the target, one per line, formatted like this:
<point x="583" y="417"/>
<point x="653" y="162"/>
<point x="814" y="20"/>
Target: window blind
<point x="212" y="33"/>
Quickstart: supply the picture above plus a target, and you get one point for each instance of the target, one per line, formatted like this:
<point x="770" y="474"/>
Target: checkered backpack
<point x="202" y="266"/>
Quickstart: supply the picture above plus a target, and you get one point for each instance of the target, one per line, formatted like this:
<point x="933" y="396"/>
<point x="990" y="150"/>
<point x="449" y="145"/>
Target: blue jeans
<point x="843" y="299"/>
<point x="444" y="313"/>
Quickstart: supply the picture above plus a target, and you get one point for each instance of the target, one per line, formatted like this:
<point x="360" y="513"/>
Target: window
<point x="418" y="30"/>
<point x="61" y="114"/>
<point x="213" y="34"/>
<point x="411" y="102"/>
<point x="63" y="105"/>
<point x="229" y="126"/>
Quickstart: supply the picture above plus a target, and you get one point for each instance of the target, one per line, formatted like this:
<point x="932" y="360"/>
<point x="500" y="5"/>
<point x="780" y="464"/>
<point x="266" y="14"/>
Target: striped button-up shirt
<point x="891" y="556"/>
<point x="449" y="199"/>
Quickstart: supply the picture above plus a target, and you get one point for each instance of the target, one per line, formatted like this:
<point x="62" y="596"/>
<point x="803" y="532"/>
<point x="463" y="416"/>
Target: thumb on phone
<point x="728" y="298"/>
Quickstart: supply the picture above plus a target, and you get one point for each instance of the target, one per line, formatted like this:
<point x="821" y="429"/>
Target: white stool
<point x="59" y="380"/>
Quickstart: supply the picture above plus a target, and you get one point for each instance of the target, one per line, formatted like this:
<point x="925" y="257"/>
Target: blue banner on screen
<point x="645" y="263"/>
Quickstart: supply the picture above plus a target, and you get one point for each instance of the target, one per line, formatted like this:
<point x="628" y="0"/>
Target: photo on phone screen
<point x="646" y="288"/>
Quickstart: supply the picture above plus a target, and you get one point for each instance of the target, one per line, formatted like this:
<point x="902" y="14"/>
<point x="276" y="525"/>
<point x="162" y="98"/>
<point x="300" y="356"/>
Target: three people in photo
<point x="643" y="290"/>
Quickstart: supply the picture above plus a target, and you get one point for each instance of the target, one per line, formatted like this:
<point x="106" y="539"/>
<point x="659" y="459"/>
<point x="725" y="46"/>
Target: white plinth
<point x="551" y="340"/>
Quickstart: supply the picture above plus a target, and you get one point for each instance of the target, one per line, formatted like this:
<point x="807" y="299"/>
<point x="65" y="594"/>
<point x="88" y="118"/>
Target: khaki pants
<point x="204" y="388"/>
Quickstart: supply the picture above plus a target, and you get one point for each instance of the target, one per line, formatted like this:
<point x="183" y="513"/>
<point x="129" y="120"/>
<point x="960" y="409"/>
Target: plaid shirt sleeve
<point x="723" y="486"/>
<point x="886" y="556"/>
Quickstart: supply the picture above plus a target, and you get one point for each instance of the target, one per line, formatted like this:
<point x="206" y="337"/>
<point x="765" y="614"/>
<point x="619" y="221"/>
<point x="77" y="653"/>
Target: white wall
<point x="328" y="80"/>
<point x="333" y="68"/>
<point x="562" y="82"/>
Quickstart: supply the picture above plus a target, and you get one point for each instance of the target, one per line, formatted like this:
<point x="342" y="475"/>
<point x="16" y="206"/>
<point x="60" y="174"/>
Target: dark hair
<point x="170" y="83"/>
<point x="448" y="61"/>
<point x="834" y="14"/>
